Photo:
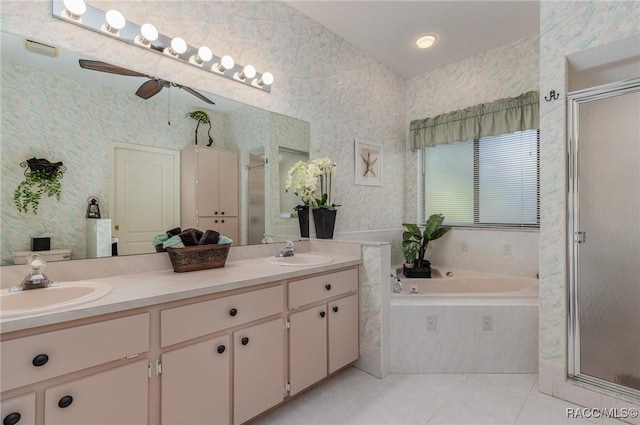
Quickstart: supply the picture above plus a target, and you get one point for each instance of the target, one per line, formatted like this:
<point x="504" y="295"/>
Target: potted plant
<point x="415" y="242"/>
<point x="305" y="178"/>
<point x="324" y="211"/>
<point x="41" y="178"/>
<point x="303" y="184"/>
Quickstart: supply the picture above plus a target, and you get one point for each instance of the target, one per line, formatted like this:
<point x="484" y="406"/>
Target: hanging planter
<point x="202" y="118"/>
<point x="41" y="178"/>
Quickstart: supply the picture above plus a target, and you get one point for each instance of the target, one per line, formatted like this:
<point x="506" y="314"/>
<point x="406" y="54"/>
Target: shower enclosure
<point x="604" y="237"/>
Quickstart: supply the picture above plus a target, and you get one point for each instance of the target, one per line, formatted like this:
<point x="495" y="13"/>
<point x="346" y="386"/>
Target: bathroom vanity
<point x="216" y="346"/>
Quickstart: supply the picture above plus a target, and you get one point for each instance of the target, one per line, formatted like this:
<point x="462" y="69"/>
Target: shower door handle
<point x="580" y="237"/>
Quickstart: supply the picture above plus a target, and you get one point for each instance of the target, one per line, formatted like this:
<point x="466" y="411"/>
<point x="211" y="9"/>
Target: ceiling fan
<point x="148" y="88"/>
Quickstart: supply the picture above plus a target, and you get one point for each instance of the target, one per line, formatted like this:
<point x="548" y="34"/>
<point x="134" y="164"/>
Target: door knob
<point x="116" y="227"/>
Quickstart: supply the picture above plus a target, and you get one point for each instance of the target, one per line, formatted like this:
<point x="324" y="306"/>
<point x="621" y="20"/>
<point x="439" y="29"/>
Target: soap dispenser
<point x="36" y="277"/>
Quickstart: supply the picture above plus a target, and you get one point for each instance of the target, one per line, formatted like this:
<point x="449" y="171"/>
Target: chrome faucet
<point x="287" y="251"/>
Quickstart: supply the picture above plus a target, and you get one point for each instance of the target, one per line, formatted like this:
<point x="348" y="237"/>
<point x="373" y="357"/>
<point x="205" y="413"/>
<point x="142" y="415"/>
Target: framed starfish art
<point x="368" y="163"/>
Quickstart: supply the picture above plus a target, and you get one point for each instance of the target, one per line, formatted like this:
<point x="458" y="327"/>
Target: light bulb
<point x="75" y="8"/>
<point x="226" y="62"/>
<point x="266" y="79"/>
<point x="115" y="21"/>
<point x="178" y="45"/>
<point x="148" y="34"/>
<point x="204" y="55"/>
<point x="248" y="71"/>
<point x="426" y="41"/>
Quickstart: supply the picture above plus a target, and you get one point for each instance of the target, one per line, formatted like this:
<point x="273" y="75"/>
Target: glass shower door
<point x="605" y="255"/>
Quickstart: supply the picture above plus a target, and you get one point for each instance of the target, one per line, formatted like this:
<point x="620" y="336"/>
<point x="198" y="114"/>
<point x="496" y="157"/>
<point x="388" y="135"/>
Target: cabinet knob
<point x="12" y="418"/>
<point x="221" y="349"/>
<point x="245" y="341"/>
<point x="322" y="314"/>
<point x="215" y="221"/>
<point x="222" y="213"/>
<point x="233" y="312"/>
<point x="40" y="360"/>
<point x="65" y="401"/>
<point x="221" y="221"/>
<point x="215" y="213"/>
<point x="328" y="286"/>
<point x="335" y="308"/>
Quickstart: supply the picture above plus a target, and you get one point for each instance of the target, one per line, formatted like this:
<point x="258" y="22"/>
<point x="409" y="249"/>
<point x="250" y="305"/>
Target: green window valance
<point x="487" y="119"/>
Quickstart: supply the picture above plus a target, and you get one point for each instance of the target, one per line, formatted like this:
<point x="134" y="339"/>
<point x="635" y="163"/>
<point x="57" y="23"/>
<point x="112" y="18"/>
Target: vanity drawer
<point x="38" y="357"/>
<point x="313" y="289"/>
<point x="194" y="320"/>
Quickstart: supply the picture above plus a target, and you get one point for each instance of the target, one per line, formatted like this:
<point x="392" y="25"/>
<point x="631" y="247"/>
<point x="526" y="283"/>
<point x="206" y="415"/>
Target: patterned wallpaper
<point x="319" y="78"/>
<point x="565" y="28"/>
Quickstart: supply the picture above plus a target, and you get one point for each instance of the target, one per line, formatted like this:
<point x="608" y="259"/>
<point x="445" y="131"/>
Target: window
<point x="491" y="181"/>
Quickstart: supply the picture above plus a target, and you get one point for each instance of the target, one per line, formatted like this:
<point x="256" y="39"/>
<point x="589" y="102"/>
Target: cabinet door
<point x="307" y="347"/>
<point x="207" y="190"/>
<point x="195" y="384"/>
<point x="344" y="338"/>
<point x="258" y="369"/>
<point x="116" y="396"/>
<point x="228" y="183"/>
<point x="229" y="228"/>
<point x="19" y="410"/>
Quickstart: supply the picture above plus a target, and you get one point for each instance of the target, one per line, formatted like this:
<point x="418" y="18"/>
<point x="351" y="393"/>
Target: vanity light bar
<point x="147" y="37"/>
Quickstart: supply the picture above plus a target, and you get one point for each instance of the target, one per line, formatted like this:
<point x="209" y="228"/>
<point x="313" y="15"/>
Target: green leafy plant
<point x="37" y="183"/>
<point x="415" y="241"/>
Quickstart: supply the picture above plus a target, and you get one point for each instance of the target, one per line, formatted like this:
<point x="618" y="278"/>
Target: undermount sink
<point x="302" y="259"/>
<point x="35" y="301"/>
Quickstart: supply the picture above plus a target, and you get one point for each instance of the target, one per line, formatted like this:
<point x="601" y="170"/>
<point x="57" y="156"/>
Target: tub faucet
<point x="397" y="284"/>
<point x="287" y="251"/>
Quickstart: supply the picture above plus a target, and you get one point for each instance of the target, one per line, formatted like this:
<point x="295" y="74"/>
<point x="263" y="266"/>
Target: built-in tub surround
<point x="468" y="322"/>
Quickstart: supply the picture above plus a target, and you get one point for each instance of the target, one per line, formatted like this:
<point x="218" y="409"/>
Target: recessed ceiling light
<point x="426" y="41"/>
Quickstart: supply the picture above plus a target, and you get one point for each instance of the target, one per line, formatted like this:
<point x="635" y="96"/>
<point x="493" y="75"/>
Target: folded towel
<point x="209" y="237"/>
<point x="173" y="242"/>
<point x="223" y="239"/>
<point x="174" y="231"/>
<point x="159" y="239"/>
<point x="189" y="237"/>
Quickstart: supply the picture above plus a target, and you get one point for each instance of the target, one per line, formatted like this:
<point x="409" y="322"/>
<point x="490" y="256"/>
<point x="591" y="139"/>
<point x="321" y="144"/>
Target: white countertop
<point x="144" y="289"/>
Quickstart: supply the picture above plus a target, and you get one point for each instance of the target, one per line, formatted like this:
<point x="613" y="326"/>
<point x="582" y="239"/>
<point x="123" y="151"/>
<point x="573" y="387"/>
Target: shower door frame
<point x="574" y="99"/>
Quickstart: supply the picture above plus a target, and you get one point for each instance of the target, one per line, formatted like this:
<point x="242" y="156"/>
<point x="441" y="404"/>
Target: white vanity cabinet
<point x="209" y="190"/>
<point x="196" y="383"/>
<point x="117" y="396"/>
<point x="258" y="372"/>
<point x="222" y="358"/>
<point x="86" y="372"/>
<point x="246" y="335"/>
<point x="323" y="326"/>
<point x="20" y="410"/>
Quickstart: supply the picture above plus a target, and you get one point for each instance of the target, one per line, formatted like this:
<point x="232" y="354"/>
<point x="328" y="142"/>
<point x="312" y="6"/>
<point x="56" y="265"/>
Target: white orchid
<point x="303" y="179"/>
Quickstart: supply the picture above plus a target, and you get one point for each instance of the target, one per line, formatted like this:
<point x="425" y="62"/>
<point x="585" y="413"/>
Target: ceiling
<point x="387" y="30"/>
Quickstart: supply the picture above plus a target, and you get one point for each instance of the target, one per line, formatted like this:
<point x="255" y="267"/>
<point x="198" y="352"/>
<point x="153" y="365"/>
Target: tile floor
<point x="354" y="397"/>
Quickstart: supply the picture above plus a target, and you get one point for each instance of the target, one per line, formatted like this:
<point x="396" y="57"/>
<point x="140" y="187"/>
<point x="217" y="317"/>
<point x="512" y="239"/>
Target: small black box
<point x="40" y="244"/>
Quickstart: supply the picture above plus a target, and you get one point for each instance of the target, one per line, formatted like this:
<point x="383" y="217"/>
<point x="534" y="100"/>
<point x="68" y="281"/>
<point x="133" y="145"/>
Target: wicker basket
<point x="199" y="257"/>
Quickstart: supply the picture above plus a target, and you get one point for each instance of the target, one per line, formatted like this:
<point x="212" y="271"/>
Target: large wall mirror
<point x="53" y="109"/>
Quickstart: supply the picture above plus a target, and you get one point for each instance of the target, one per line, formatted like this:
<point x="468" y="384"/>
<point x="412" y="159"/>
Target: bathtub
<point x="464" y="322"/>
<point x="462" y="284"/>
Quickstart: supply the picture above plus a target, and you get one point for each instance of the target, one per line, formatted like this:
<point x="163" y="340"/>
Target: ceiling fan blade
<point x="107" y="67"/>
<point x="148" y="89"/>
<point x="196" y="94"/>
